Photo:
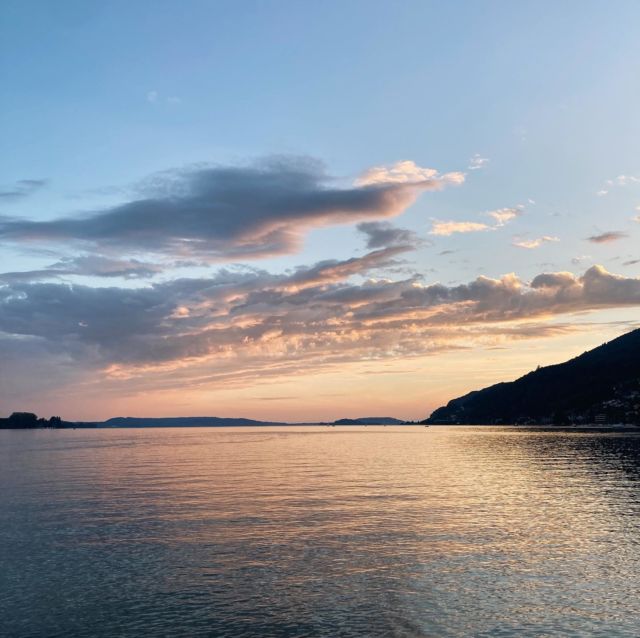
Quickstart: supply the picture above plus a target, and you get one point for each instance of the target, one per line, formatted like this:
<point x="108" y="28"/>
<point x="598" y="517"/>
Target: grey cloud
<point x="139" y="324"/>
<point x="605" y="238"/>
<point x="553" y="280"/>
<point x="27" y="275"/>
<point x="229" y="212"/>
<point x="87" y="265"/>
<point x="102" y="266"/>
<point x="335" y="270"/>
<point x="21" y="189"/>
<point x="33" y="368"/>
<point x="381" y="234"/>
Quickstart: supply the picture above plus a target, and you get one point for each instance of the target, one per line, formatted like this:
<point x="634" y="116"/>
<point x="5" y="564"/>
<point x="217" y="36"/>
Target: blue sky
<point x="97" y="98"/>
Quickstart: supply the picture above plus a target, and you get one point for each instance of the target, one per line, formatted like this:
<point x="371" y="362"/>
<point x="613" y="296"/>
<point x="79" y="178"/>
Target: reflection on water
<point x="319" y="532"/>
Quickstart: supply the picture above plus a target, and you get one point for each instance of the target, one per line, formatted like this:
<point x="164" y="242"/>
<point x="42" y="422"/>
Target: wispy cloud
<point x="620" y="180"/>
<point x="477" y="162"/>
<point x="624" y="180"/>
<point x="154" y="97"/>
<point x="21" y="189"/>
<point x="88" y="266"/>
<point x="608" y="237"/>
<point x="500" y="216"/>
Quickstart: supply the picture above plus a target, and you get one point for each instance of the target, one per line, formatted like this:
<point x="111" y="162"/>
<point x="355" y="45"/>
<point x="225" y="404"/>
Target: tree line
<point x="28" y="420"/>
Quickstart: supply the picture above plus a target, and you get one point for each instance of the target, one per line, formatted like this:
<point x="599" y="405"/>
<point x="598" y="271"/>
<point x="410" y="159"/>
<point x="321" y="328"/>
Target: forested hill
<point x="188" y="421"/>
<point x="601" y="385"/>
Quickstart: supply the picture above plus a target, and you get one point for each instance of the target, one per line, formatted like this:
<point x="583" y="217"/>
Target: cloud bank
<point x="247" y="324"/>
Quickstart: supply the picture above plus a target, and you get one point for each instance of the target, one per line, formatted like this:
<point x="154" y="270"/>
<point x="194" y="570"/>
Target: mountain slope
<point x="604" y="381"/>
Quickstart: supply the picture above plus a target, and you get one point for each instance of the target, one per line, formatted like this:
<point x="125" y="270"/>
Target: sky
<point x="305" y="211"/>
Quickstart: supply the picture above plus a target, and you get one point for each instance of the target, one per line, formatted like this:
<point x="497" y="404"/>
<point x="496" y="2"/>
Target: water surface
<point x="354" y="531"/>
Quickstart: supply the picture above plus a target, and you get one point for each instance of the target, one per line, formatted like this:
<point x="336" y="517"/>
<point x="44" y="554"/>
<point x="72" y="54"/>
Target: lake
<point x="319" y="531"/>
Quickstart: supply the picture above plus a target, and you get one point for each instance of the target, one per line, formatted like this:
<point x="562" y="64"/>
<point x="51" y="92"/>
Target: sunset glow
<point x="332" y="247"/>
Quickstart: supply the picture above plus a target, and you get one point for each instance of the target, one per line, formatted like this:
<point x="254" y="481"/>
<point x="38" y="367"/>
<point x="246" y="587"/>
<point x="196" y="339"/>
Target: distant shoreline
<point x="622" y="427"/>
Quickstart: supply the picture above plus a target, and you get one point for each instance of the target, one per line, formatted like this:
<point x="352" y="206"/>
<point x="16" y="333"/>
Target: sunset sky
<point x="310" y="210"/>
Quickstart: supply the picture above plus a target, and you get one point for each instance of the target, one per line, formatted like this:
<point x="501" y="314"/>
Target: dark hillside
<point x="604" y="381"/>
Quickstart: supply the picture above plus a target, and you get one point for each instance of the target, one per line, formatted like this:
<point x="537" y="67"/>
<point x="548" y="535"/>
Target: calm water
<point x="319" y="532"/>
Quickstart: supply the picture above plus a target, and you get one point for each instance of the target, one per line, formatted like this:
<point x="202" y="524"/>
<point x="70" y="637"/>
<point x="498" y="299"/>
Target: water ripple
<point x="319" y="532"/>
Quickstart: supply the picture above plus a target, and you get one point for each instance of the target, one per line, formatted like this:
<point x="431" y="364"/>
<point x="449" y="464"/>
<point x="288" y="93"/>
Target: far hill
<point x="369" y="420"/>
<point x="179" y="421"/>
<point x="599" y="386"/>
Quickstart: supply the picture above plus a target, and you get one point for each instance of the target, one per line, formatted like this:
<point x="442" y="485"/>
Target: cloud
<point x="332" y="270"/>
<point x="500" y="216"/>
<point x="606" y="238"/>
<point x="504" y="215"/>
<point x="153" y="97"/>
<point x="238" y="212"/>
<point x="477" y="162"/>
<point x="380" y="234"/>
<point x="101" y="266"/>
<point x="554" y="280"/>
<point x="242" y="325"/>
<point x="445" y="229"/>
<point x="88" y="266"/>
<point x="534" y="243"/>
<point x="632" y="262"/>
<point x="623" y="180"/>
<point x="21" y="189"/>
<point x="408" y="172"/>
<point x="620" y="180"/>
